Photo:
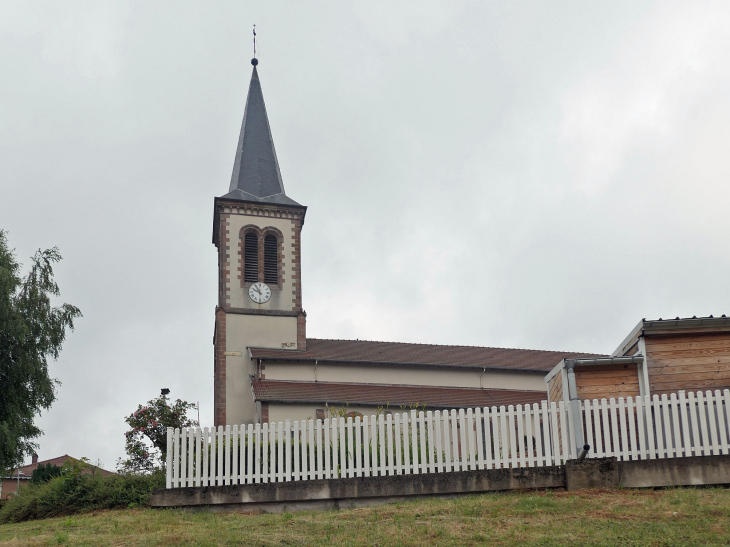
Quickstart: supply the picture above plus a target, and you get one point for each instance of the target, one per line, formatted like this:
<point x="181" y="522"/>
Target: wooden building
<point x="657" y="357"/>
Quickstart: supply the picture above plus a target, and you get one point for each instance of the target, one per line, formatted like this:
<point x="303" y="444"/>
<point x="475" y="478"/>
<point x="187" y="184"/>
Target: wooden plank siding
<point x="632" y="350"/>
<point x="690" y="362"/>
<point x="606" y="381"/>
<point x="555" y="388"/>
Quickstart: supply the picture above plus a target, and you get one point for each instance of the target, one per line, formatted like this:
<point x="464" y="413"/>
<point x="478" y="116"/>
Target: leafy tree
<point x="146" y="440"/>
<point x="45" y="472"/>
<point x="31" y="331"/>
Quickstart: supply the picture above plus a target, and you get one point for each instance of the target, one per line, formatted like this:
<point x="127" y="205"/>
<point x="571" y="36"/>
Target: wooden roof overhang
<point x="658" y="327"/>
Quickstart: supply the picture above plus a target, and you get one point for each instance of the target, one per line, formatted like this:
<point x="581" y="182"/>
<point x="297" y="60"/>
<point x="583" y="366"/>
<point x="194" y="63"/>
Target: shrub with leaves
<point x="80" y="489"/>
<point x="146" y="440"/>
<point x="45" y="472"/>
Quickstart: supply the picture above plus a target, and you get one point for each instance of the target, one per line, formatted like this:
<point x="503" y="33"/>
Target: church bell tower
<point x="257" y="231"/>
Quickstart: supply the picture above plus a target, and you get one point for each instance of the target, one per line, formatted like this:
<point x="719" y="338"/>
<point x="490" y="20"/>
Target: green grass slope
<point x="618" y="517"/>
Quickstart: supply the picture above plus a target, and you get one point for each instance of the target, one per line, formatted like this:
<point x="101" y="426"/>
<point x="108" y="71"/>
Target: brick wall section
<point x="555" y="388"/>
<point x="296" y="264"/>
<point x="224" y="260"/>
<point x="302" y="331"/>
<point x="219" y="373"/>
<point x="264" y="412"/>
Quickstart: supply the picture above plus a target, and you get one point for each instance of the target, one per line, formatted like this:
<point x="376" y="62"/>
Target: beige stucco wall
<point x="279" y="412"/>
<point x="281" y="299"/>
<point x="392" y="374"/>
<point x="243" y="331"/>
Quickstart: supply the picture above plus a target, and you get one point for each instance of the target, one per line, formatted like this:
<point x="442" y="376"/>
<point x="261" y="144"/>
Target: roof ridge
<point x="449" y="345"/>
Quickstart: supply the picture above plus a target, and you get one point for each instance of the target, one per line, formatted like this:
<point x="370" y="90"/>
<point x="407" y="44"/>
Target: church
<point x="265" y="367"/>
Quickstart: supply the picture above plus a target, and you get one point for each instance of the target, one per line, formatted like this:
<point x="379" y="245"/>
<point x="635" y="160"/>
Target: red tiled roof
<point x="380" y="394"/>
<point x="27" y="470"/>
<point x="363" y="351"/>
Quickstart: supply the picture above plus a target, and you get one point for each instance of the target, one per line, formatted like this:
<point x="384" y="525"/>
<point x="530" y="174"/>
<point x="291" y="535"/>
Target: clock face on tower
<point x="259" y="292"/>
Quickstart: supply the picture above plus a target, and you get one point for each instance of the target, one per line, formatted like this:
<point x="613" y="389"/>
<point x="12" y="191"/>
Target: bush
<point x="76" y="492"/>
<point x="45" y="472"/>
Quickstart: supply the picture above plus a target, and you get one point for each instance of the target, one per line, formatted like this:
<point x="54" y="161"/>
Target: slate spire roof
<point x="256" y="175"/>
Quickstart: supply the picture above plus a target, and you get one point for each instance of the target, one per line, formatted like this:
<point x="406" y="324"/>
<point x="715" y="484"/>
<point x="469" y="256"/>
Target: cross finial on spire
<point x="254" y="61"/>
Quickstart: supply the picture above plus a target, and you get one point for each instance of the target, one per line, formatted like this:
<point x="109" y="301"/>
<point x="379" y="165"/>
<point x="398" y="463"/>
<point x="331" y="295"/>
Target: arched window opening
<point x="251" y="258"/>
<point x="271" y="267"/>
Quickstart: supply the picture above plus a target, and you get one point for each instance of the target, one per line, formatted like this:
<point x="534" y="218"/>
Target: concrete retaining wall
<point x="366" y="491"/>
<point x="290" y="496"/>
<point x="693" y="471"/>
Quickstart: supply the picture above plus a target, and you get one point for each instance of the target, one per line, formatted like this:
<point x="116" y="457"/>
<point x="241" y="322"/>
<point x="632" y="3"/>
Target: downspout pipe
<point x="570" y="364"/>
<point x="581" y="448"/>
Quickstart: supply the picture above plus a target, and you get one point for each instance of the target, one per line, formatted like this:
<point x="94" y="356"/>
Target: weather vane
<point x="254" y="61"/>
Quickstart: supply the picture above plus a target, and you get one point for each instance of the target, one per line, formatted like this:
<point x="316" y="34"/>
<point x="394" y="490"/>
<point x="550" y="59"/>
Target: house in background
<point x="658" y="357"/>
<point x="21" y="476"/>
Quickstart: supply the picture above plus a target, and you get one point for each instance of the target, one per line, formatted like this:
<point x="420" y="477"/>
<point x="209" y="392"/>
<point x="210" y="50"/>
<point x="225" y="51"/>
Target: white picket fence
<point x="445" y="441"/>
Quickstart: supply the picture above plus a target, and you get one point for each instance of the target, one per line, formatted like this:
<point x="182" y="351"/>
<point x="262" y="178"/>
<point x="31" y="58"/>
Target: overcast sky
<point x="518" y="174"/>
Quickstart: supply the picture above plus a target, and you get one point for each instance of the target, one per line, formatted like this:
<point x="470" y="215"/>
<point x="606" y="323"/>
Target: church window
<point x="271" y="266"/>
<point x="251" y="258"/>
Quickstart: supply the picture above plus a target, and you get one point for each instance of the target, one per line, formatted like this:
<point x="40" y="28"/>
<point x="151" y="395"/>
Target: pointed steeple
<point x="256" y="174"/>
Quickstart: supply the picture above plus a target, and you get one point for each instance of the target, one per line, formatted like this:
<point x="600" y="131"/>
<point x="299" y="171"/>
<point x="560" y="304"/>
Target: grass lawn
<point x="616" y="517"/>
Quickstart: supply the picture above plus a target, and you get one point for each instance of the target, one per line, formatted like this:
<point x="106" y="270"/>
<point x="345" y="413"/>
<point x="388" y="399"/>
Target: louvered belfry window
<point x="271" y="269"/>
<point x="251" y="258"/>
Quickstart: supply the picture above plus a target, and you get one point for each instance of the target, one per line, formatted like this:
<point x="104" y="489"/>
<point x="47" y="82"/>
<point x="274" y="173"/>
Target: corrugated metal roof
<point x="381" y="394"/>
<point x="362" y="351"/>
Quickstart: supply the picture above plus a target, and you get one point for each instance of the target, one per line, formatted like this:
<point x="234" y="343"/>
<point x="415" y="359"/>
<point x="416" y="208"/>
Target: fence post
<point x="318" y="436"/>
<point x="398" y="443"/>
<point x="721" y="418"/>
<point x="191" y="456"/>
<point x="358" y="446"/>
<point x="183" y="477"/>
<point x="488" y="426"/>
<point x="504" y="444"/>
<point x="227" y="448"/>
<point x="678" y="449"/>
<point x="249" y="454"/>
<point x="168" y="460"/>
<point x="414" y="441"/>
<point x="438" y="431"/>
<point x="327" y="450"/>
<point x="365" y="446"/>
<point x="381" y="445"/>
<point x="311" y="459"/>
<point x="712" y="423"/>
<point x="470" y="437"/>
<point x="389" y="436"/>
<point x="528" y="436"/>
<point x="206" y="454"/>
<point x="455" y="441"/>
<point x="422" y="432"/>
<point x="430" y="444"/>
<point x="287" y="449"/>
<point x="281" y="471"/>
<point x="447" y="442"/>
